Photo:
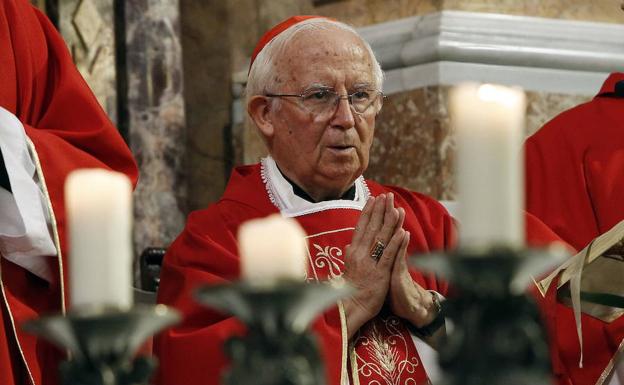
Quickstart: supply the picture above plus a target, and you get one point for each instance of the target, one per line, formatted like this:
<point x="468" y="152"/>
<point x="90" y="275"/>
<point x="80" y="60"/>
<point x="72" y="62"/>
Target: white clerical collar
<point x="281" y="193"/>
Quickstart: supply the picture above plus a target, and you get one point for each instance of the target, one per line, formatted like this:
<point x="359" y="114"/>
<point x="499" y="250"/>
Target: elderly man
<point x="313" y="93"/>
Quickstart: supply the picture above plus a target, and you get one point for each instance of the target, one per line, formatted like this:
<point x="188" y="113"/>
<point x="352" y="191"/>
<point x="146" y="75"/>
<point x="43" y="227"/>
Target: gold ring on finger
<point x="377" y="250"/>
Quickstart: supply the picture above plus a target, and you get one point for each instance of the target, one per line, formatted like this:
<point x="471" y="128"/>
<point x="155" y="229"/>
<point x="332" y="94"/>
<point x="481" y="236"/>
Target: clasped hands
<point x="376" y="266"/>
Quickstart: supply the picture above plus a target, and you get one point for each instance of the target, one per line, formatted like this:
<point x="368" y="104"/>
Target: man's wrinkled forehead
<point x="331" y="52"/>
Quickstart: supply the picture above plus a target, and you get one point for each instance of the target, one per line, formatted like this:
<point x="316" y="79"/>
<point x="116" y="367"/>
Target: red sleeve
<point x="205" y="253"/>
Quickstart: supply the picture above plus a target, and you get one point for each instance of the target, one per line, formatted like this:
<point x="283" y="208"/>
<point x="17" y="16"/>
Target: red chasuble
<point x="575" y="180"/>
<point x="41" y="86"/>
<point x="206" y="252"/>
<point x="382" y="352"/>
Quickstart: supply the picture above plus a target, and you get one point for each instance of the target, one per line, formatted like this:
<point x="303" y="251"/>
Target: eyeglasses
<point x="325" y="100"/>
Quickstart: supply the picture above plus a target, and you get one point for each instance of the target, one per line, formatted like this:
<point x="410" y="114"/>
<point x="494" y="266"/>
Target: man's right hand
<point x="379" y="221"/>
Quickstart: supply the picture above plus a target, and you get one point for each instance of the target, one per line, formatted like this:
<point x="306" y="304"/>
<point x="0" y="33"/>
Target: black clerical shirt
<point x="348" y="195"/>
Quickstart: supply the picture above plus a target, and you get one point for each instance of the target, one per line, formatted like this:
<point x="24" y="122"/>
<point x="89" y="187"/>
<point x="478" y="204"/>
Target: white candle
<point x="271" y="249"/>
<point x="99" y="214"/>
<point x="489" y="124"/>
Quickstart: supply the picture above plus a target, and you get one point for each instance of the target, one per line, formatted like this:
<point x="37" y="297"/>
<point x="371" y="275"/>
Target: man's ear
<point x="259" y="109"/>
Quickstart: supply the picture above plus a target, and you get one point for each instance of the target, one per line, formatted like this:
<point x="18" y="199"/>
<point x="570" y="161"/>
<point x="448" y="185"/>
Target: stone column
<point x="88" y="27"/>
<point x="206" y="48"/>
<point x="156" y="119"/>
<point x="217" y="38"/>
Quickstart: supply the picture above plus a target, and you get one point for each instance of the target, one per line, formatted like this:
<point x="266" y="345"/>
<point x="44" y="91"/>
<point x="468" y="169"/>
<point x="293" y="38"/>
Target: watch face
<point x="435" y="296"/>
<point x="436" y="324"/>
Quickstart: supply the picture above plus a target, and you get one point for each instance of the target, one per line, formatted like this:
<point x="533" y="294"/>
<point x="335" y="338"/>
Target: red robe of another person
<point x="575" y="182"/>
<point x="41" y="86"/>
<point x="206" y="253"/>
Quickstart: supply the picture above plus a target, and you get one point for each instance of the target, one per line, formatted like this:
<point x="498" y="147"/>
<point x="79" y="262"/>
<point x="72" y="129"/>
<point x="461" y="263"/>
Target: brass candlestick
<point x="278" y="349"/>
<point x="497" y="337"/>
<point x="102" y="342"/>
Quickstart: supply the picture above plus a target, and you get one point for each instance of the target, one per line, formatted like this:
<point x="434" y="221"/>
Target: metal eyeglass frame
<point x="338" y="97"/>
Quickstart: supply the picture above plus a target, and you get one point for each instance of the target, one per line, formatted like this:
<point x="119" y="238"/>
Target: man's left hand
<point x="408" y="299"/>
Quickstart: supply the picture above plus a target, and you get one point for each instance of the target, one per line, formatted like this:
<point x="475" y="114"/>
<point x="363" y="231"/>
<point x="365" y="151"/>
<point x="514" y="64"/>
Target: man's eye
<point x="361" y="95"/>
<point x="318" y="95"/>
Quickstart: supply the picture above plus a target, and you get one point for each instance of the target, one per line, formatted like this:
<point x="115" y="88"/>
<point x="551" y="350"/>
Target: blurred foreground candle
<point x="272" y="249"/>
<point x="99" y="212"/>
<point x="489" y="124"/>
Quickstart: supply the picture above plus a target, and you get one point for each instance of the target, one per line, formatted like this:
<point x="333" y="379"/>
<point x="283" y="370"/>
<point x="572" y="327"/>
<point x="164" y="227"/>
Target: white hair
<point x="261" y="77"/>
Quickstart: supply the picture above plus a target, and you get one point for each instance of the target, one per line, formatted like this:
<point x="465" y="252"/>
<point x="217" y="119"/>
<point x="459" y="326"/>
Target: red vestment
<point x="206" y="253"/>
<point x="41" y="86"/>
<point x="575" y="179"/>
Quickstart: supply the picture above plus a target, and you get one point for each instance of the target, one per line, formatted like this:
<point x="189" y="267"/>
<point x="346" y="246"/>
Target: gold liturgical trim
<point x="354" y="365"/>
<point x="597" y="268"/>
<point x="605" y="276"/>
<point x="344" y="373"/>
<point x="614" y="368"/>
<point x="55" y="234"/>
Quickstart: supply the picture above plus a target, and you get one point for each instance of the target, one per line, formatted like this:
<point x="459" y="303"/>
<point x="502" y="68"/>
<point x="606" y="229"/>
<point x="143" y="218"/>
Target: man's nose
<point x="343" y="116"/>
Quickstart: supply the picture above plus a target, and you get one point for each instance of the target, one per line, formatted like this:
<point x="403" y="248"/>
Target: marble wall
<point x="156" y="120"/>
<point x="88" y="27"/>
<point x="361" y="13"/>
<point x="147" y="77"/>
<point x="414" y="145"/>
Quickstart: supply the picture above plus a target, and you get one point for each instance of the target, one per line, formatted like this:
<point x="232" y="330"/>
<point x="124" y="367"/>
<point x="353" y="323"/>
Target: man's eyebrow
<point x="359" y="86"/>
<point x="318" y="86"/>
<point x="322" y="86"/>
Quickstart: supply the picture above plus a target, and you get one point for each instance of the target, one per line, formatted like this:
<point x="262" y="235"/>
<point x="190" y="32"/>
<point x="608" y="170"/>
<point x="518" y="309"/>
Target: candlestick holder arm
<point x="519" y="269"/>
<point x="313" y="301"/>
<point x="536" y="263"/>
<point x="277" y="349"/>
<point x="497" y="337"/>
<point x="297" y="303"/>
<point x="103" y="341"/>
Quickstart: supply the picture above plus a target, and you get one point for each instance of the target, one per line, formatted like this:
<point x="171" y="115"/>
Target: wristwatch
<point x="436" y="324"/>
